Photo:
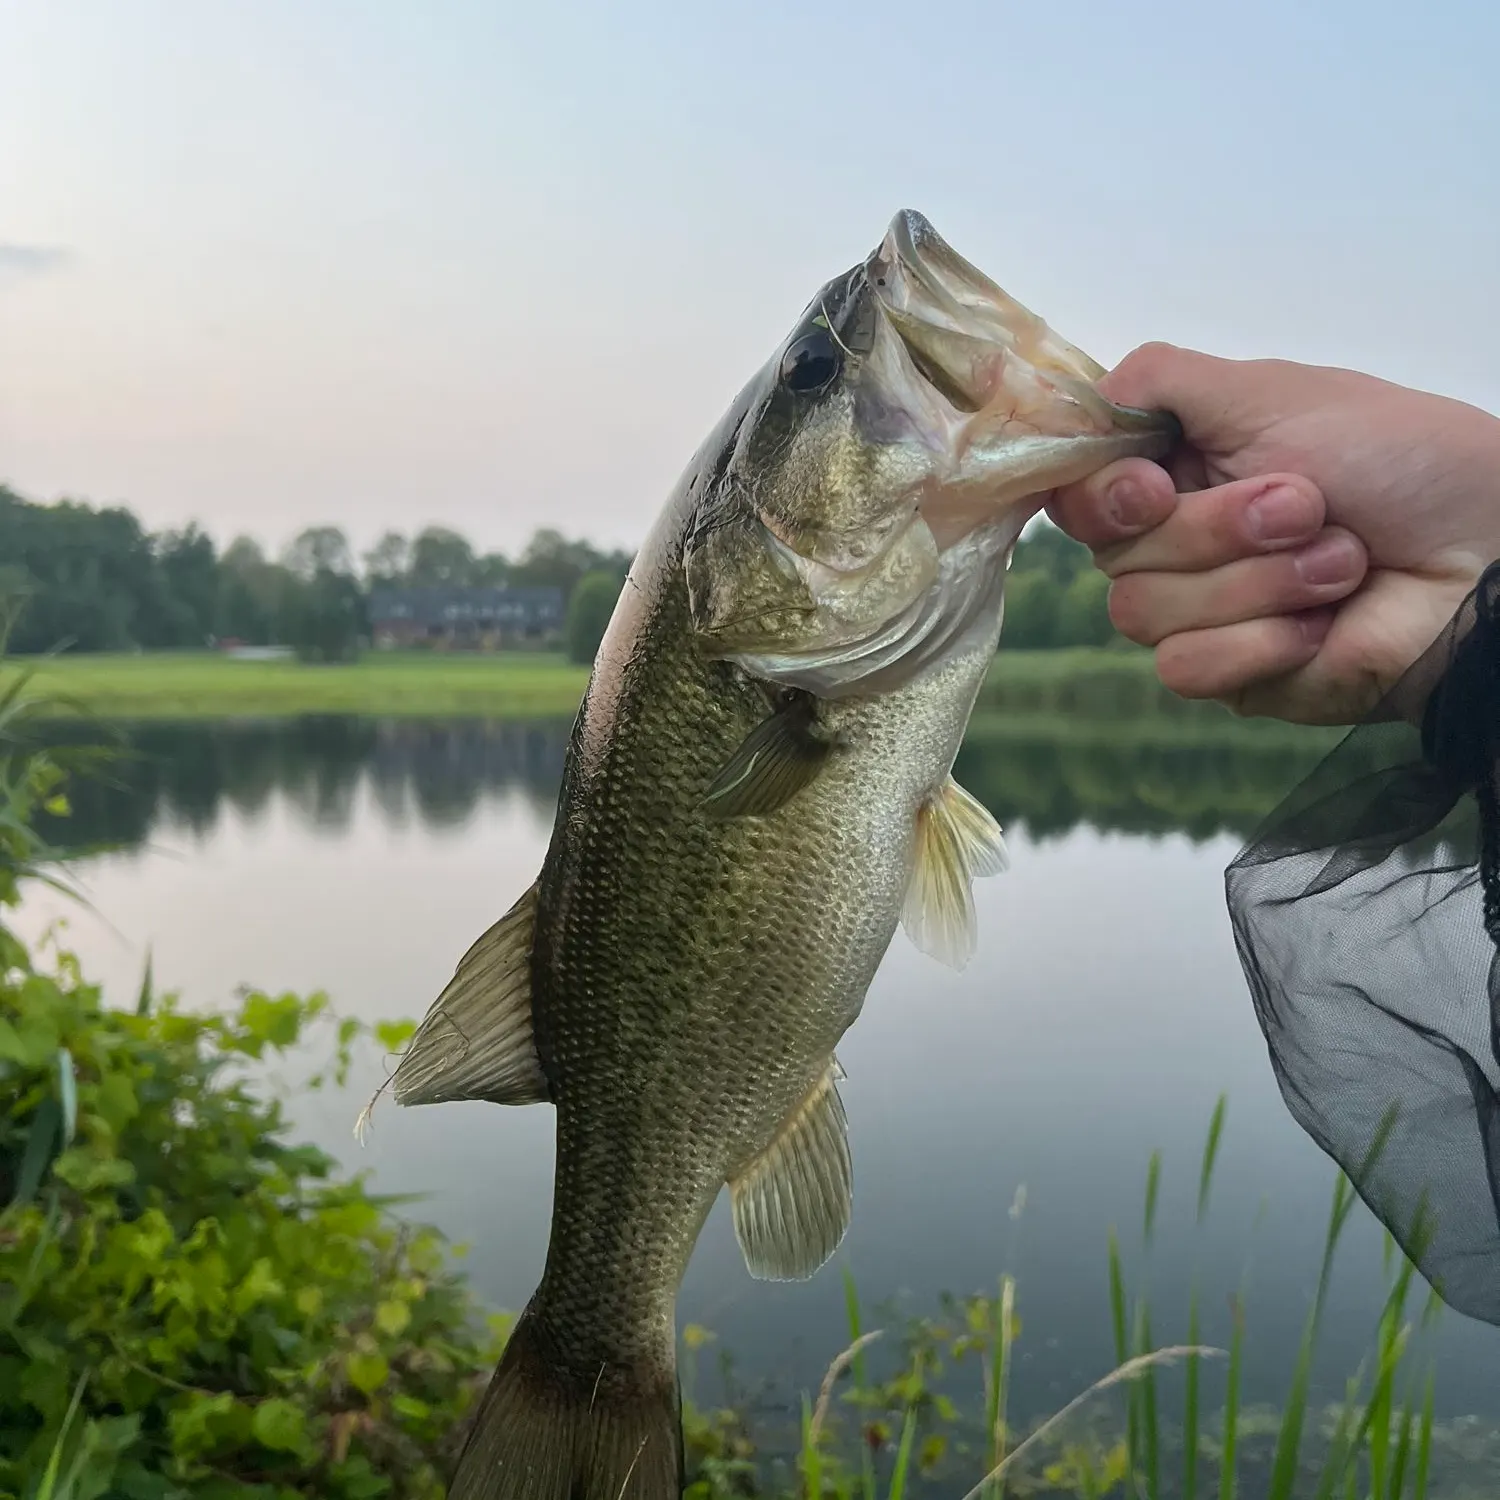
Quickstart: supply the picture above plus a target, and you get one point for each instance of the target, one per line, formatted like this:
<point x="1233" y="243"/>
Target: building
<point x="472" y="619"/>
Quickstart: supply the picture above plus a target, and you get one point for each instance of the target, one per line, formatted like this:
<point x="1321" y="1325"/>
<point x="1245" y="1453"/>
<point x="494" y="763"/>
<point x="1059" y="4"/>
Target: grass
<point x="1109" y="685"/>
<point x="893" y="1437"/>
<point x="203" y="685"/>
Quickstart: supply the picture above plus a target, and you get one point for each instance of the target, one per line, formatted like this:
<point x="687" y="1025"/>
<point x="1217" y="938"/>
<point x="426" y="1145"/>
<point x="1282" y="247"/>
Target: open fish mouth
<point x="1006" y="405"/>
<point x="920" y="417"/>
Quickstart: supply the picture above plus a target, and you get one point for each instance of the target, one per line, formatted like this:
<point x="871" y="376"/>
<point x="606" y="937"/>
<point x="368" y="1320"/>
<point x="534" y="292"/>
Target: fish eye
<point x="811" y="363"/>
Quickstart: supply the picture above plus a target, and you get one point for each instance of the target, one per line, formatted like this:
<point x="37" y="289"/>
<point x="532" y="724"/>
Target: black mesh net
<point x="1367" y="915"/>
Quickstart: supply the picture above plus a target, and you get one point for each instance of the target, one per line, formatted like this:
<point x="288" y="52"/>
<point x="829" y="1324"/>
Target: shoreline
<point x="1068" y="689"/>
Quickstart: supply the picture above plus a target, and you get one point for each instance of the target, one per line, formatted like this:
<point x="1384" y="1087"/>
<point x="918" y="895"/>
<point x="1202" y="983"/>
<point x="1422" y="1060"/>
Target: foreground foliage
<point x="188" y="1304"/>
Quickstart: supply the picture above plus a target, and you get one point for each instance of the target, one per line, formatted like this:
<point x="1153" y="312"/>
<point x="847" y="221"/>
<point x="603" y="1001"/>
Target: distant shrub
<point x="589" y="610"/>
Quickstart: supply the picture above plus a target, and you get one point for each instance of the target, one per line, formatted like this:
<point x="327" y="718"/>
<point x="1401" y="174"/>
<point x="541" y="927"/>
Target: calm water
<point x="1103" y="1016"/>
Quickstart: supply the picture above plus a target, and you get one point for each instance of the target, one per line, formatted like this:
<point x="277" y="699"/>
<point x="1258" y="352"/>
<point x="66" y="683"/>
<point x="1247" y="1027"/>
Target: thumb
<point x="1218" y="401"/>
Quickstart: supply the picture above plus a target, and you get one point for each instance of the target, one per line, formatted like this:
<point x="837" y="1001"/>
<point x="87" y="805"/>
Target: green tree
<point x="440" y="557"/>
<point x="190" y="581"/>
<point x="1045" y="549"/>
<point x="326" y="618"/>
<point x="552" y="560"/>
<point x="319" y="549"/>
<point x="388" y="560"/>
<point x="1083" y="612"/>
<point x="589" y="610"/>
<point x="493" y="570"/>
<point x="258" y="600"/>
<point x="1031" y="607"/>
<point x="89" y="577"/>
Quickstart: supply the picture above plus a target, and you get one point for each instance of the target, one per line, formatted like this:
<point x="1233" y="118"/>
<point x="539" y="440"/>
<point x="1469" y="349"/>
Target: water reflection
<point x="434" y="773"/>
<point x="437" y="773"/>
<point x="1103" y="1015"/>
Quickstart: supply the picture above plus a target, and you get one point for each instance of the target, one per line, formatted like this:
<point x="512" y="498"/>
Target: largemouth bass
<point x="757" y="793"/>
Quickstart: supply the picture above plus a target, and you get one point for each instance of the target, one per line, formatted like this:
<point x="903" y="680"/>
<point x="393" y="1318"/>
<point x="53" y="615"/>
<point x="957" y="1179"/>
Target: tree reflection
<point x="1144" y="775"/>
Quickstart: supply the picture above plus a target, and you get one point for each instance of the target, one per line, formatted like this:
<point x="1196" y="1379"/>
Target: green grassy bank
<point x="419" y="684"/>
<point x="1088" y="683"/>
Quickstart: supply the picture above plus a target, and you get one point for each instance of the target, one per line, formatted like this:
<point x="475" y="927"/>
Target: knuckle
<point x="1181" y="669"/>
<point x="1148" y="357"/>
<point x="1141" y="370"/>
<point x="1130" y="610"/>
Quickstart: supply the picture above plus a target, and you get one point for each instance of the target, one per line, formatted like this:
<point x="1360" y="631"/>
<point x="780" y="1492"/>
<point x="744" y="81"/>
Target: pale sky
<point x="382" y="264"/>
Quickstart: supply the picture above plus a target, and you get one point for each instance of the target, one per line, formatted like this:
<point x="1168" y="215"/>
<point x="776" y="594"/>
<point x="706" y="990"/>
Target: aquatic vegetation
<point x="910" y="1432"/>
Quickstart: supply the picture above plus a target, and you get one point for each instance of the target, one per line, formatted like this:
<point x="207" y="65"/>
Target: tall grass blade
<point x="1190" y="1409"/>
<point x="1403" y="1453"/>
<point x="1343" y="1445"/>
<point x="812" y="1455"/>
<point x="857" y="1344"/>
<point x="1211" y="1154"/>
<point x="1294" y="1418"/>
<point x="67" y="1092"/>
<point x="1424" y="1442"/>
<point x="43" y="1135"/>
<point x="1149" y="1424"/>
<point x="48" y="1487"/>
<point x="998" y="1381"/>
<point x="1228" y="1474"/>
<point x="146" y="998"/>
<point x="903" y="1456"/>
<point x="1122" y="1353"/>
<point x="1153" y="1190"/>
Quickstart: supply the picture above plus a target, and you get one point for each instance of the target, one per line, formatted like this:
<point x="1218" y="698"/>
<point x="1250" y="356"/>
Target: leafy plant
<point x="188" y="1303"/>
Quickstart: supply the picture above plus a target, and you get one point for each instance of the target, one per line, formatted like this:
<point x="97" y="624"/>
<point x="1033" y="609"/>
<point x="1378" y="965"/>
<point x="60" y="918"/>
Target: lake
<point x="1103" y="1016"/>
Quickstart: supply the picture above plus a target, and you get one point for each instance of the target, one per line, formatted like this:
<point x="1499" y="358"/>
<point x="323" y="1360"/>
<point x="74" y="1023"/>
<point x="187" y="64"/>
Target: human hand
<point x="1322" y="529"/>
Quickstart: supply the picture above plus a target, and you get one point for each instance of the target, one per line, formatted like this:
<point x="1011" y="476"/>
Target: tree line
<point x="84" y="578"/>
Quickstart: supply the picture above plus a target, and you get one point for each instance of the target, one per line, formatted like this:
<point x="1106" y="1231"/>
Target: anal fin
<point x="476" y="1040"/>
<point x="957" y="841"/>
<point x="793" y="1202"/>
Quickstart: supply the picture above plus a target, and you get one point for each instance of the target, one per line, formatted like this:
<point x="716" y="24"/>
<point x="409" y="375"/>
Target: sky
<point x="496" y="266"/>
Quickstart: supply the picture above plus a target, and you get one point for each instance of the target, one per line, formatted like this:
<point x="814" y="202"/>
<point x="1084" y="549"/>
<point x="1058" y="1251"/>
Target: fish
<point x="757" y="793"/>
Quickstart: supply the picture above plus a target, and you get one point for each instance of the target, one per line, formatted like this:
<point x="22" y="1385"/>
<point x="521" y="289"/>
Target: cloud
<point x="31" y="260"/>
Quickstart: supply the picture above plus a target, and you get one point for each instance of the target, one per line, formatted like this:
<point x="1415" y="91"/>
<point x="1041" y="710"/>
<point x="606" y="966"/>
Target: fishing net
<point x="1366" y="911"/>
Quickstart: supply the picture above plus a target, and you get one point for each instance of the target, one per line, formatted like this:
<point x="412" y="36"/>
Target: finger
<point x="1270" y="513"/>
<point x="1218" y="401"/>
<point x="1119" y="502"/>
<point x="1227" y="662"/>
<point x="1149" y="607"/>
<point x="1188" y="468"/>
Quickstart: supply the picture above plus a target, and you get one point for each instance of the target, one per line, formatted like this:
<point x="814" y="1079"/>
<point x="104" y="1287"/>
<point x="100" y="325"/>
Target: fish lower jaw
<point x="959" y="521"/>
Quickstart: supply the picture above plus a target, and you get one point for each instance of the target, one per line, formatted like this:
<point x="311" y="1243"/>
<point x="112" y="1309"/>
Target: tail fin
<point x="544" y="1433"/>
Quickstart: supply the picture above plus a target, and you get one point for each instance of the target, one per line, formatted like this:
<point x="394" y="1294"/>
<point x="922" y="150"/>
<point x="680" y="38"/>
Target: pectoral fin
<point x="957" y="840"/>
<point x="779" y="757"/>
<point x="792" y="1204"/>
<point x="476" y="1040"/>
